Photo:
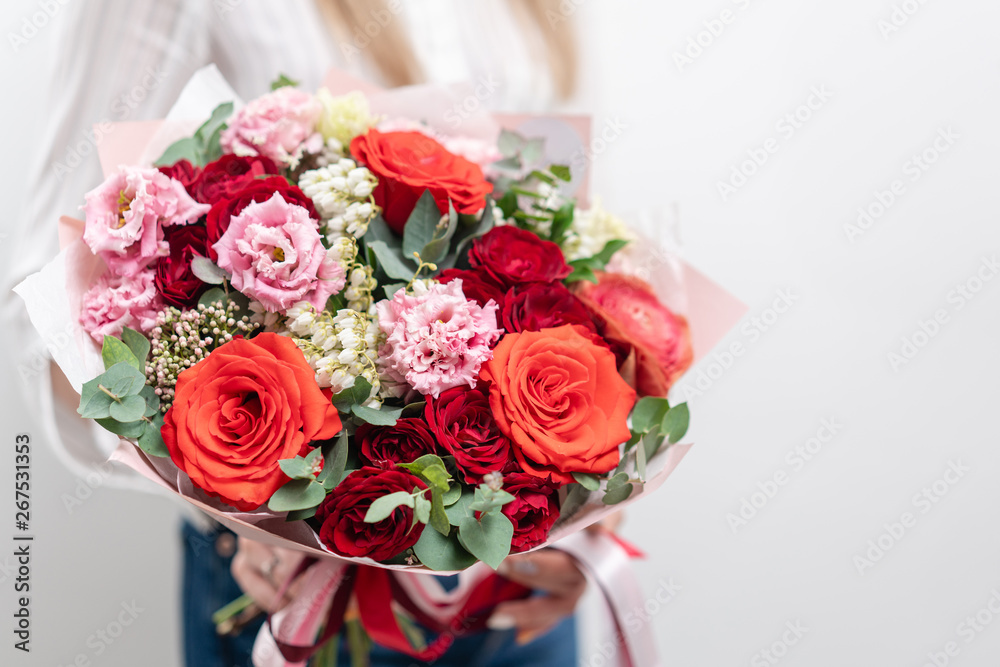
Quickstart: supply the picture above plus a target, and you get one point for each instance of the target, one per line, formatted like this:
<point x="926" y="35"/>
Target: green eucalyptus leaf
<point x="421" y="226"/>
<point x="299" y="515"/>
<point x="460" y="508"/>
<point x="188" y="148"/>
<point x="208" y="271"/>
<point x="422" y="509"/>
<point x="451" y="496"/>
<point x="382" y="507"/>
<point x="675" y="423"/>
<point x="151" y="441"/>
<point x="296" y="468"/>
<point x="128" y="409"/>
<point x="137" y="343"/>
<point x="648" y="410"/>
<point x="618" y="494"/>
<point x="383" y="417"/>
<point x="391" y="261"/>
<point x="488" y="538"/>
<point x="298" y="494"/>
<point x="213" y="296"/>
<point x="440" y="553"/>
<point x="439" y="518"/>
<point x="335" y="463"/>
<point x="128" y="430"/>
<point x="587" y="480"/>
<point x="510" y="143"/>
<point x="94" y="403"/>
<point x="123" y="379"/>
<point x="533" y="150"/>
<point x="214" y="124"/>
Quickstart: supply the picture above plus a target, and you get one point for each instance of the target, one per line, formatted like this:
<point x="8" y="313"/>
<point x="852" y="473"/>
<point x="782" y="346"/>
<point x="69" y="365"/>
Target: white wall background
<point x="826" y="358"/>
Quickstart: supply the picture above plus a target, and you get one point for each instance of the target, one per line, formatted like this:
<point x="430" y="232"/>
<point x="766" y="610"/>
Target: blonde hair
<point x="392" y="53"/>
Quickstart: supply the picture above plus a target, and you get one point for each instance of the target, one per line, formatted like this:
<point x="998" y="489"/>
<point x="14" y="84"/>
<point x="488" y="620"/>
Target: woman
<point x="128" y="61"/>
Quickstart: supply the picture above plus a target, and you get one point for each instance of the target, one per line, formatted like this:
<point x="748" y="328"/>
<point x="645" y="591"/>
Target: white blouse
<point x="128" y="61"/>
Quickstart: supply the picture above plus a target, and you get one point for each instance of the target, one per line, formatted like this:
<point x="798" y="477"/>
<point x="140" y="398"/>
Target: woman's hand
<point x="550" y="571"/>
<point x="261" y="570"/>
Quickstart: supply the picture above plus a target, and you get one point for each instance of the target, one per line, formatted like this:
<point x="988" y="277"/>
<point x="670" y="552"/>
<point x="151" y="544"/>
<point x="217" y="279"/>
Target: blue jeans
<point x="208" y="585"/>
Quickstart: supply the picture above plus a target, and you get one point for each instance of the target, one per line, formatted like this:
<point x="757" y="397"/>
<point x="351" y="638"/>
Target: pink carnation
<point x="126" y="214"/>
<point x="277" y="125"/>
<point x="437" y="339"/>
<point x="276" y="256"/>
<point x="116" y="302"/>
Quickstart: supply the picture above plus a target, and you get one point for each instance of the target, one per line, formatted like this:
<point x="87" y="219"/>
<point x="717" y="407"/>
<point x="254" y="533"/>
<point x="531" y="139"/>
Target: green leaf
<point x="484" y="225"/>
<point x="510" y="143"/>
<point x="675" y="423"/>
<point x="283" y="81"/>
<point x="356" y="394"/>
<point x="299" y="515"/>
<point x="382" y="507"/>
<point x="213" y="125"/>
<point x="533" y="150"/>
<point x="488" y="538"/>
<point x="421" y="226"/>
<point x="512" y="163"/>
<point x="451" y="496"/>
<point x="437" y="476"/>
<point x="151" y="441"/>
<point x="437" y="247"/>
<point x="640" y="460"/>
<point x="123" y="379"/>
<point x="114" y="351"/>
<point x="207" y="271"/>
<point x="562" y="221"/>
<point x="297" y="468"/>
<point x="94" y="403"/>
<point x="581" y="273"/>
<point x="651" y="442"/>
<point x="422" y="509"/>
<point x="128" y="409"/>
<point x="391" y="261"/>
<point x="391" y="289"/>
<point x="439" y="518"/>
<point x="379" y="230"/>
<point x="213" y="296"/>
<point x="138" y="344"/>
<point x="439" y="552"/>
<point x="152" y="401"/>
<point x="608" y="251"/>
<point x="575" y="499"/>
<point x="587" y="480"/>
<point x="130" y="430"/>
<point x="618" y="480"/>
<point x="648" y="410"/>
<point x="335" y="463"/>
<point x="187" y="148"/>
<point x="383" y="417"/>
<point x="561" y="172"/>
<point x="460" y="508"/>
<point x="298" y="494"/>
<point x="618" y="494"/>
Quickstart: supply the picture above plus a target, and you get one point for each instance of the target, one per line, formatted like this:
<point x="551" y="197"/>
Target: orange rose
<point x="558" y="396"/>
<point x="239" y="411"/>
<point x="631" y="318"/>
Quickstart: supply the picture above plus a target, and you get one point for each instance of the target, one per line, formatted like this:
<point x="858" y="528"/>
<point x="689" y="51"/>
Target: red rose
<point x="228" y="175"/>
<point x="258" y="191"/>
<point x="407" y="163"/>
<point x="537" y="306"/>
<point x="182" y="171"/>
<point x="236" y="413"/>
<point x="462" y="421"/>
<point x="513" y="255"/>
<point x="405" y="442"/>
<point x="174" y="279"/>
<point x="342" y="515"/>
<point x="476" y="285"/>
<point x="630" y="316"/>
<point x="533" y="511"/>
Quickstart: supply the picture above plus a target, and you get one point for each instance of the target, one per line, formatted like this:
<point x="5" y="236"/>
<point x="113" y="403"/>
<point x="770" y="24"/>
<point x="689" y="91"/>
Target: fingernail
<point x="501" y="622"/>
<point x="525" y="636"/>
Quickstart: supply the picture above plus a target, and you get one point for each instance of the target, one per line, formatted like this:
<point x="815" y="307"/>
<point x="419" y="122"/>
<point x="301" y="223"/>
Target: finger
<point x="535" y="615"/>
<point x="253" y="582"/>
<point x="548" y="570"/>
<point x="247" y="568"/>
<point x="609" y="523"/>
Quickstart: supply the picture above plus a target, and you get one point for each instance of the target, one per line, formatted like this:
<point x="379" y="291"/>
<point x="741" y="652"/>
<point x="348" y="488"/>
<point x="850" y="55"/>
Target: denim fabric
<point x="208" y="585"/>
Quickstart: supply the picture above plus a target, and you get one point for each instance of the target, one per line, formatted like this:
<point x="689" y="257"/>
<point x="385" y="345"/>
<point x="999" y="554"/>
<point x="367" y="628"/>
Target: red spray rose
<point x="342" y="515"/>
<point x="462" y="421"/>
<point x="533" y="511"/>
<point x="247" y="405"/>
<point x="228" y="175"/>
<point x="511" y="255"/>
<point x="183" y="171"/>
<point x="258" y="191"/>
<point x="537" y="306"/>
<point x="174" y="280"/>
<point x="630" y="315"/>
<point x="405" y="442"/>
<point x="407" y="163"/>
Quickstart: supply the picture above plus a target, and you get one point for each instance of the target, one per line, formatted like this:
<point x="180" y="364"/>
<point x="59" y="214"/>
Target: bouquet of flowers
<point x="354" y="334"/>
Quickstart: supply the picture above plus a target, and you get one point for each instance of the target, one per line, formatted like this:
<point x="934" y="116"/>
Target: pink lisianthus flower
<point x="126" y="214"/>
<point x="115" y="302"/>
<point x="436" y="339"/>
<point x="276" y="256"/>
<point x="280" y="125"/>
